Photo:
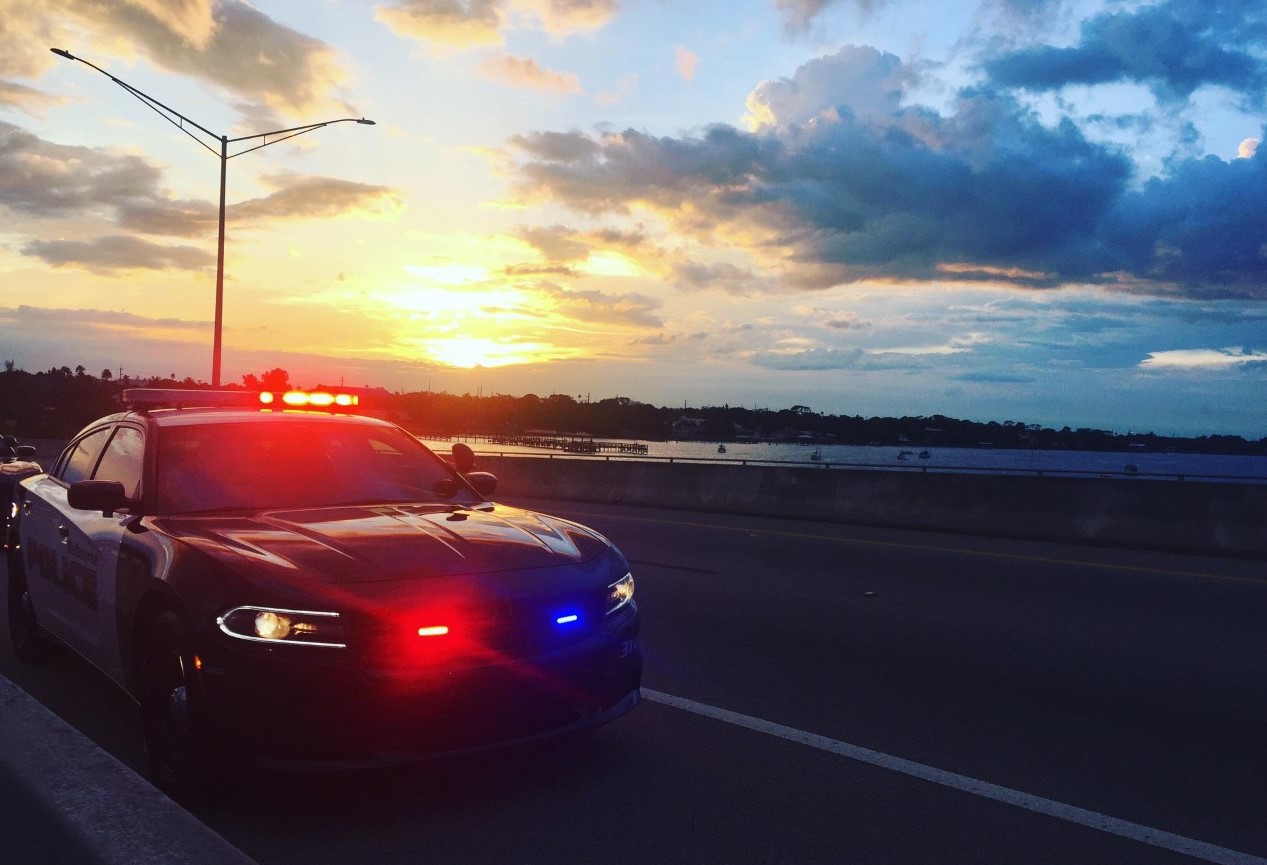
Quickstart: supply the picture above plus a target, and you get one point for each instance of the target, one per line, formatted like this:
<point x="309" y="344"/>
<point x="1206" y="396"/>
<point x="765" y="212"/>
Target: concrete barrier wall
<point x="1215" y="518"/>
<point x="1222" y="519"/>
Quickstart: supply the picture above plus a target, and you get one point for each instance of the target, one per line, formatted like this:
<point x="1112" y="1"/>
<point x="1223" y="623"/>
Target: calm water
<point x="1160" y="466"/>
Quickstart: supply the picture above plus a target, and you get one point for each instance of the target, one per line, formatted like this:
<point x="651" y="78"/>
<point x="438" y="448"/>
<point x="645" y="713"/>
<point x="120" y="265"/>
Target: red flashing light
<point x="315" y="399"/>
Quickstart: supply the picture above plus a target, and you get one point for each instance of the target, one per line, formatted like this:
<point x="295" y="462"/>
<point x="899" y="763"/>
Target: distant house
<point x="686" y="428"/>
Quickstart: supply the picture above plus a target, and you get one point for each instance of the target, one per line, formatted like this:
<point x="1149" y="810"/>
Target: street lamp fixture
<point x="190" y="128"/>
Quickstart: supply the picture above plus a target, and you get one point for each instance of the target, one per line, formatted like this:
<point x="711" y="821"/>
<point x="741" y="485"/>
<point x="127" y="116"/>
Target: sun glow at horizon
<point x="469" y="352"/>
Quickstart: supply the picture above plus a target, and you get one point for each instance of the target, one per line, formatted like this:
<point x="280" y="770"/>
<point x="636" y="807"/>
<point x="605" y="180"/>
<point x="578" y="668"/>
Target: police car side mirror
<point x="25" y="452"/>
<point x="104" y="496"/>
<point x="484" y="482"/>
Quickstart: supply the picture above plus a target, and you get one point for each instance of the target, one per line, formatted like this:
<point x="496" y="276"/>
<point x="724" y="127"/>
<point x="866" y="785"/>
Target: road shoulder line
<point x="1059" y="810"/>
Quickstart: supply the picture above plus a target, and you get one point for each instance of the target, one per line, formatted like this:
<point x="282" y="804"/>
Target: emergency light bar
<point x="320" y="399"/>
<point x="144" y="398"/>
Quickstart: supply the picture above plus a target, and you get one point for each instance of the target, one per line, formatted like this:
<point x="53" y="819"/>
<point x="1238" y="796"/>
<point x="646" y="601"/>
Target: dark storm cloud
<point x="115" y="254"/>
<point x="1201" y="226"/>
<point x="986" y="191"/>
<point x="1173" y="48"/>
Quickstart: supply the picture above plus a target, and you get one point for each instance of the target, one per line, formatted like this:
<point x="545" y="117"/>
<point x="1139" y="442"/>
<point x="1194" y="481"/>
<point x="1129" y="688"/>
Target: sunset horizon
<point x="1049" y="212"/>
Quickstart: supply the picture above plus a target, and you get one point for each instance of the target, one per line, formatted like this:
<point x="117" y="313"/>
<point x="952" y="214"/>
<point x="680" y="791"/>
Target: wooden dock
<point x="576" y="443"/>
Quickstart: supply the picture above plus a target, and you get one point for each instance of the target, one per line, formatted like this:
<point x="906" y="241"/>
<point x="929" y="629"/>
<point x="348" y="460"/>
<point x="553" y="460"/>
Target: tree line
<point x="58" y="402"/>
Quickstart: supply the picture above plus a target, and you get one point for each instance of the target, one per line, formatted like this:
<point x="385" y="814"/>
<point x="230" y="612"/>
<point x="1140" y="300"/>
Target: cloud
<point x="988" y="377"/>
<point x="811" y="359"/>
<point x="1173" y="48"/>
<point x="798" y="15"/>
<point x="625" y="86"/>
<point x="719" y="276"/>
<point x="1199" y="227"/>
<point x="868" y="81"/>
<point x="117" y="254"/>
<point x="562" y="245"/>
<point x="556" y="243"/>
<point x="445" y="22"/>
<point x="42" y="179"/>
<point x="685" y="62"/>
<point x="622" y="309"/>
<point x="842" y="181"/>
<point x="1202" y="359"/>
<point x="45" y="180"/>
<point x="842" y="320"/>
<point x="42" y="317"/>
<point x="463" y="24"/>
<point x="274" y="70"/>
<point x="523" y="72"/>
<point x="28" y="99"/>
<point x="539" y="270"/>
<point x="310" y="197"/>
<point x="563" y="17"/>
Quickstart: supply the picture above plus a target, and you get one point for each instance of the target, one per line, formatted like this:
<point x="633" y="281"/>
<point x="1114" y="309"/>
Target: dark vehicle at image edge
<point x="310" y="588"/>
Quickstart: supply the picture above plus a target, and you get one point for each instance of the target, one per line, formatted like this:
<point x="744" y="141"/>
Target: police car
<point x="282" y="585"/>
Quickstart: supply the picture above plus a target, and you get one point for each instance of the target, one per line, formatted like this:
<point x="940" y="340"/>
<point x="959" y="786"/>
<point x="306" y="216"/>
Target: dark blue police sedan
<point x="289" y="586"/>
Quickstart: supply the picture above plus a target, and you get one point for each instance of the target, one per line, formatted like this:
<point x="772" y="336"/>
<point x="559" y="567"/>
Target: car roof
<point x="206" y="416"/>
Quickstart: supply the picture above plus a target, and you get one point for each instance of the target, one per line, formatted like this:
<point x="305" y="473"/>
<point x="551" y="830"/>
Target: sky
<point x="1042" y="211"/>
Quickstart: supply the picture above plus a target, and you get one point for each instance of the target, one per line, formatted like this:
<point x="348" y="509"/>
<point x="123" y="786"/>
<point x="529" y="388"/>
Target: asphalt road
<point x="831" y="694"/>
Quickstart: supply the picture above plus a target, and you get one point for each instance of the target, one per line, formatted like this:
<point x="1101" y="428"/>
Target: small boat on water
<point x="924" y="455"/>
<point x="905" y="454"/>
<point x="721" y="449"/>
<point x="817" y="454"/>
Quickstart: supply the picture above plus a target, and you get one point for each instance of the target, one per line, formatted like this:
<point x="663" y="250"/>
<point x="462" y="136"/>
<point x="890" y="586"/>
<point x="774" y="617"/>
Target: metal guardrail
<point x="920" y="468"/>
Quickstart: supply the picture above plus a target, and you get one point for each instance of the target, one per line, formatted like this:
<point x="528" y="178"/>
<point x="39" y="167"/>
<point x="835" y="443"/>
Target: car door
<point x="61" y="561"/>
<point x="121" y="460"/>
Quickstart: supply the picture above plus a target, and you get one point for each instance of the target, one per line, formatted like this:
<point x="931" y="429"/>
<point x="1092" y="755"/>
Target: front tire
<point x="29" y="642"/>
<point x="172" y="712"/>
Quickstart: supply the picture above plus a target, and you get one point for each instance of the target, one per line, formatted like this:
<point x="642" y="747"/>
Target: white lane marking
<point x="1059" y="810"/>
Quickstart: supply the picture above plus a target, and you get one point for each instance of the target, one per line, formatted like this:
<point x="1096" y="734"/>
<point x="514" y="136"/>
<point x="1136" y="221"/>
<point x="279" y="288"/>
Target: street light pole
<point x="182" y="122"/>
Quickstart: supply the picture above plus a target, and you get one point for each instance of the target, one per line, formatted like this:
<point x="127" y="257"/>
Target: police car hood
<point x="365" y="544"/>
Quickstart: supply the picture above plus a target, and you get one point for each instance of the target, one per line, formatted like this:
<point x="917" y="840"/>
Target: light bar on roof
<point x="316" y="399"/>
<point x="143" y="398"/>
<point x="170" y="397"/>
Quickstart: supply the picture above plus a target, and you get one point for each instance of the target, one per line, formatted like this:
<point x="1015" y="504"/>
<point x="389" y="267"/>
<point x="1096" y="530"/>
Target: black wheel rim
<point x="167" y="714"/>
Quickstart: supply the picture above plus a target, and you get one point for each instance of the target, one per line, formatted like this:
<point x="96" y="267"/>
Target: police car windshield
<point x="285" y="464"/>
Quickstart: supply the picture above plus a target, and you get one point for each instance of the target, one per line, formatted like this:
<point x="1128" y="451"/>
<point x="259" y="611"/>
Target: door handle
<point x="64" y="532"/>
<point x="26" y="507"/>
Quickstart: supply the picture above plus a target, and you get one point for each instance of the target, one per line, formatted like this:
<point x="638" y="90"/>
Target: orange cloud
<point x="525" y="73"/>
<point x="686" y="62"/>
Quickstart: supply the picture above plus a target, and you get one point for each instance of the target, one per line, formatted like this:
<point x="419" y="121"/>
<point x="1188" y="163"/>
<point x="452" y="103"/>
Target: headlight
<point x="284" y="627"/>
<point x="620" y="593"/>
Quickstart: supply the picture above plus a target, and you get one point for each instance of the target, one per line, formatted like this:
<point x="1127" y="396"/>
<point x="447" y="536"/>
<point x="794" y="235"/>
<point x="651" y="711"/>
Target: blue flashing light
<point x="568" y="619"/>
